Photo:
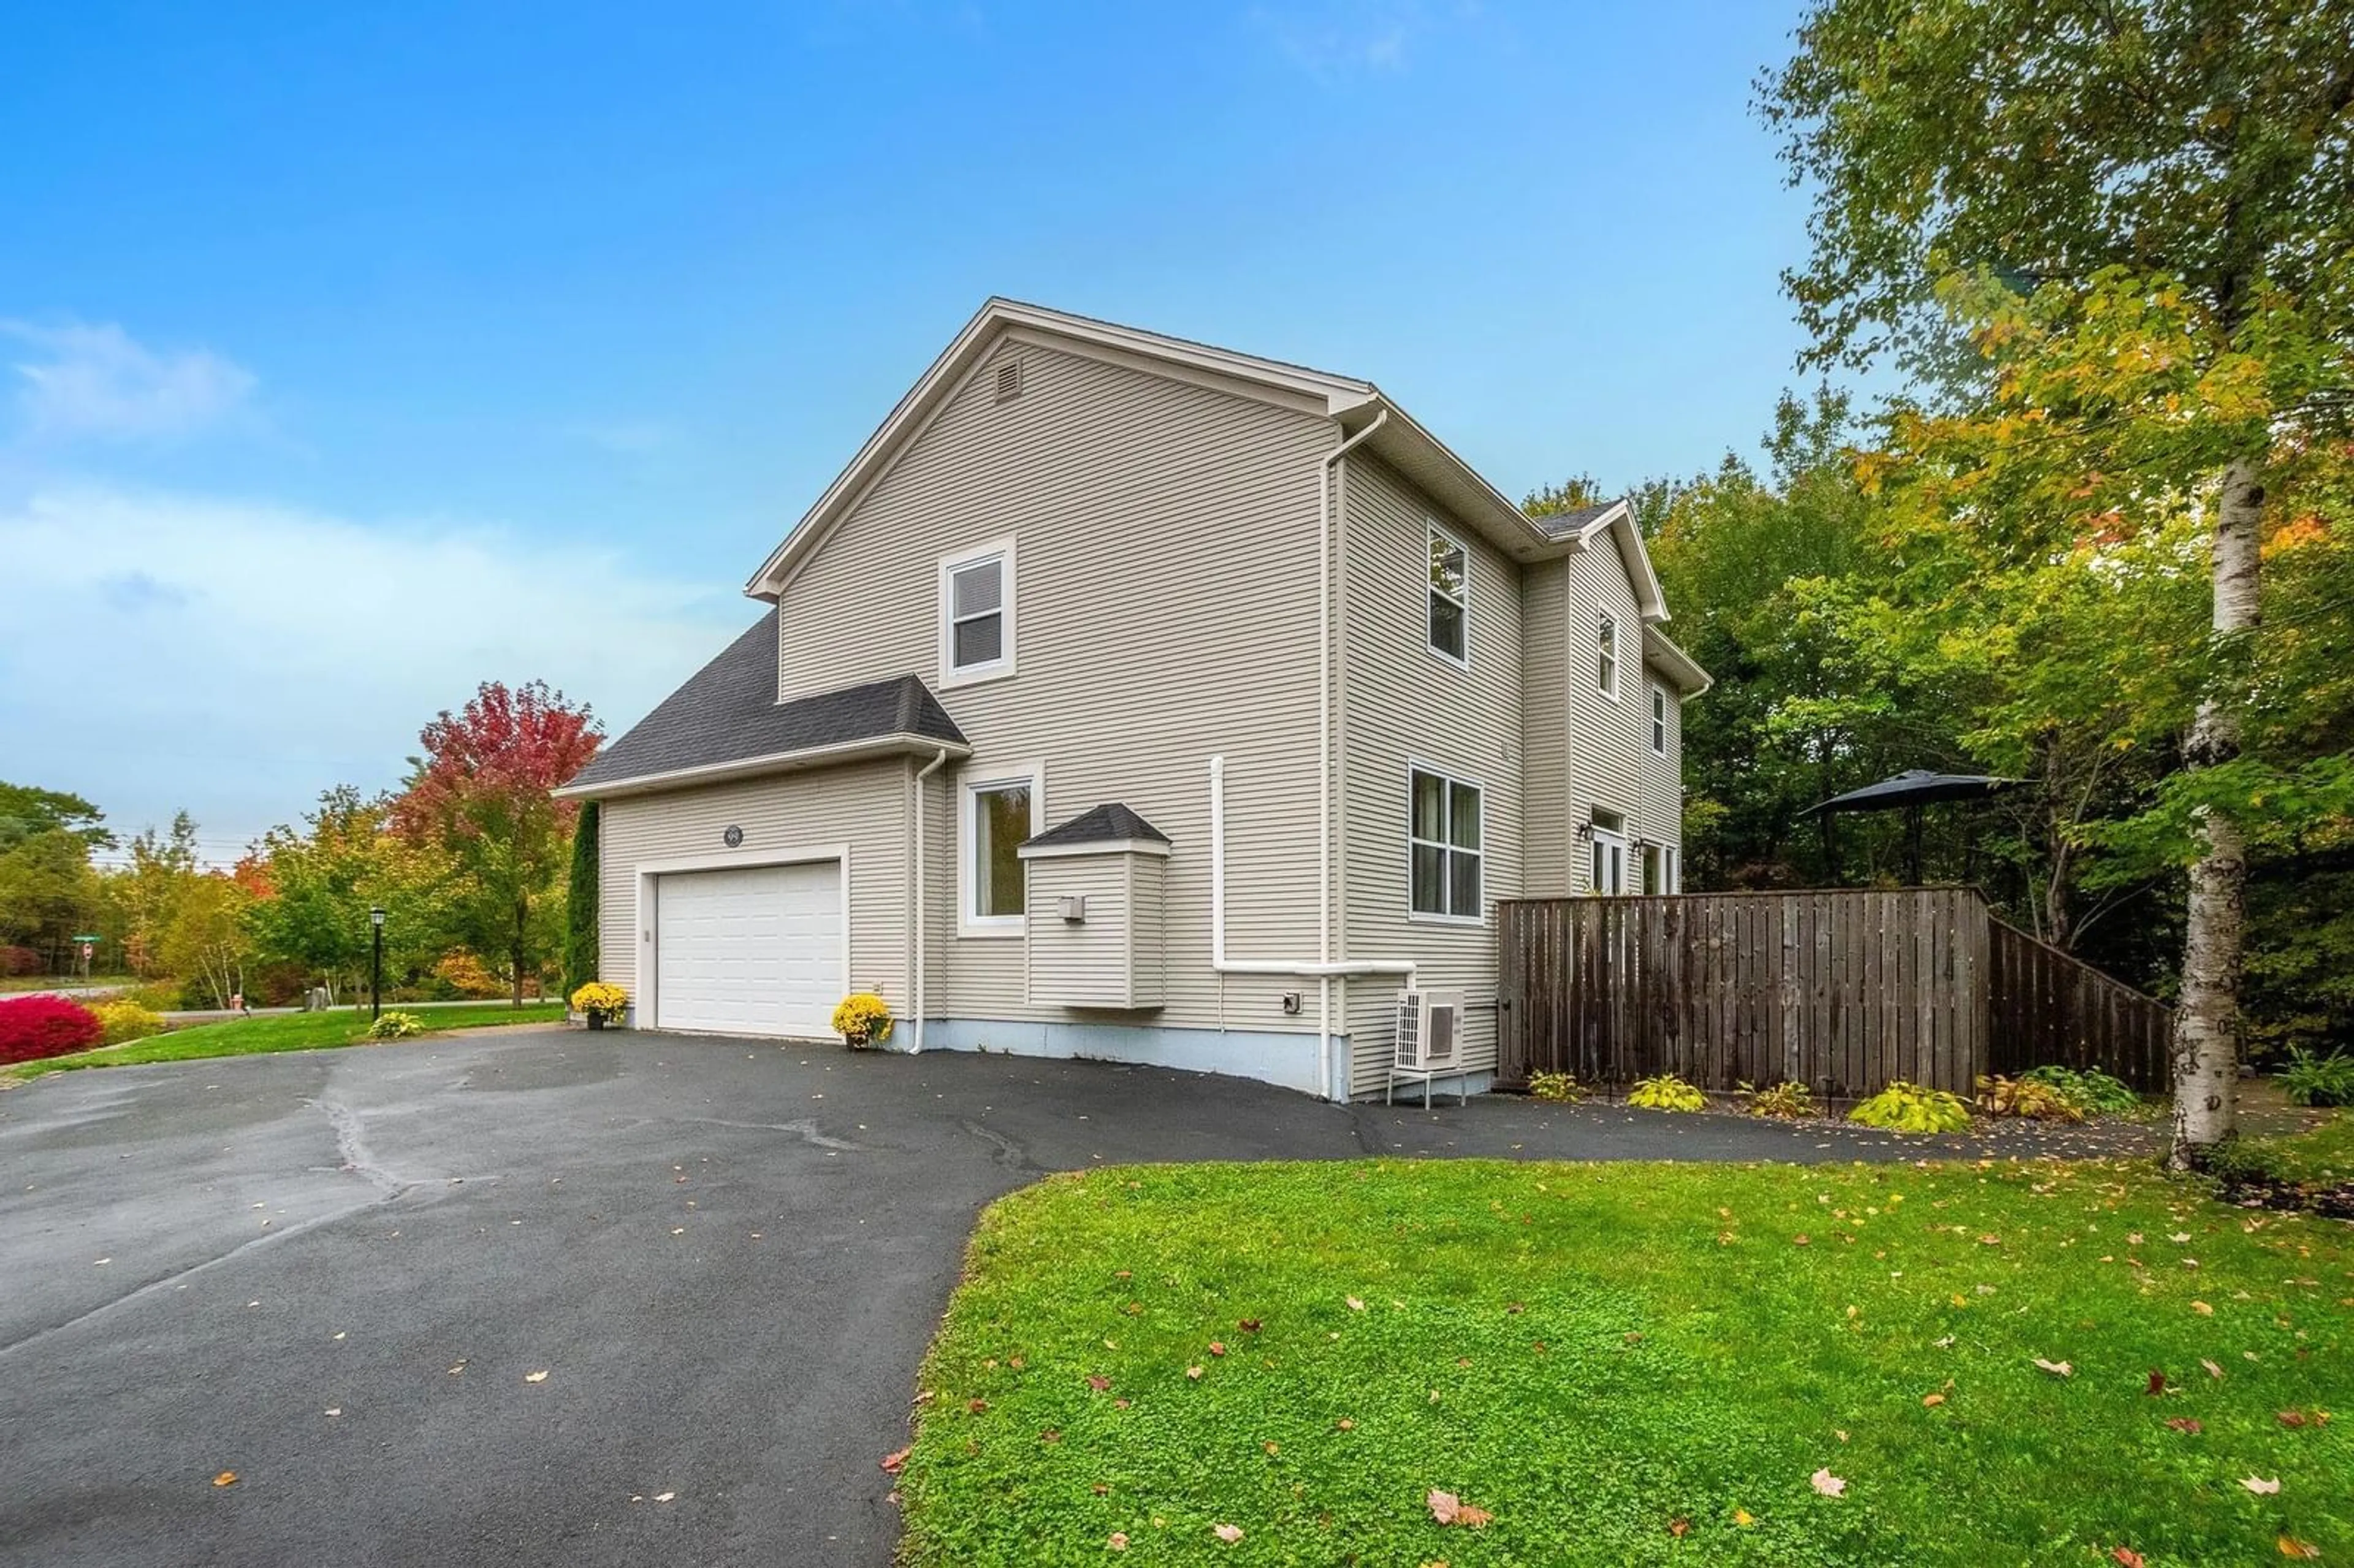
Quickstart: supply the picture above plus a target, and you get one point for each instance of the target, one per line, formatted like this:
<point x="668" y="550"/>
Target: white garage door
<point x="751" y="951"/>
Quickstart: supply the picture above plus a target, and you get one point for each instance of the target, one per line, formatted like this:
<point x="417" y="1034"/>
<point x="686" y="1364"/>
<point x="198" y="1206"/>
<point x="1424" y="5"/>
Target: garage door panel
<point x="749" y="950"/>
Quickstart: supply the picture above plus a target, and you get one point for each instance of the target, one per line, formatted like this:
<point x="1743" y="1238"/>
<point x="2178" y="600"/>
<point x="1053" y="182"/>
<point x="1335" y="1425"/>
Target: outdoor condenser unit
<point x="1428" y="1024"/>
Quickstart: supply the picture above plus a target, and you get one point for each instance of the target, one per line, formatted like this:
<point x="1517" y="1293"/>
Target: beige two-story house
<point x="1130" y="698"/>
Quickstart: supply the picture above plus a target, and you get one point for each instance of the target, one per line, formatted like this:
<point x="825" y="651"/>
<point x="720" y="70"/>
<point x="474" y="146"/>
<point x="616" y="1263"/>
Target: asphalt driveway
<point x="342" y="1275"/>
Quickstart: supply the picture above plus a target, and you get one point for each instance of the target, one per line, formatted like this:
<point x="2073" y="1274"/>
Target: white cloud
<point x="161" y="650"/>
<point x="98" y="383"/>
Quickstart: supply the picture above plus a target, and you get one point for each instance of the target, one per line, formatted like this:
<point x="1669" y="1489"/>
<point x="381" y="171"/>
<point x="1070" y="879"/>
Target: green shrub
<point x="1909" y="1108"/>
<point x="1668" y="1093"/>
<point x="2032" y="1098"/>
<point x="121" y="1021"/>
<point x="1562" y="1088"/>
<point x="396" y="1026"/>
<point x="2092" y="1091"/>
<point x="2237" y="1162"/>
<point x="2311" y="1080"/>
<point x="1791" y="1101"/>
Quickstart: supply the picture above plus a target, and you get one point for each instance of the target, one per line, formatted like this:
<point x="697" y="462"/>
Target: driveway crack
<point x="1004" y="1150"/>
<point x="351" y="1143"/>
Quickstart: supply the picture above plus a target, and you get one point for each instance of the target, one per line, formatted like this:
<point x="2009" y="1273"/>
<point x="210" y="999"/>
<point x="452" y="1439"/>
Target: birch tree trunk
<point x="2207" y="1023"/>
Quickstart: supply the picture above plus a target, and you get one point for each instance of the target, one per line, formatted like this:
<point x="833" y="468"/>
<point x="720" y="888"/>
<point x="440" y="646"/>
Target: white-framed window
<point x="1672" y="876"/>
<point x="997" y="809"/>
<point x="1606" y="645"/>
<point x="1446" y="867"/>
<point x="1448" y="625"/>
<point x="1607" y="863"/>
<point x="1659" y="719"/>
<point x="976" y="613"/>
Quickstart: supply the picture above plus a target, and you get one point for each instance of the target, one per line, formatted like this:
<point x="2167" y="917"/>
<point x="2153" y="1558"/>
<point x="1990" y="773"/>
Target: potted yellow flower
<point x="863" y="1020"/>
<point x="600" y="1003"/>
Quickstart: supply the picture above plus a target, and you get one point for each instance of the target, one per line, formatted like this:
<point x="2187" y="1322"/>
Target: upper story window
<point x="976" y="613"/>
<point x="1445" y="863"/>
<point x="1606" y="668"/>
<point x="1450" y="599"/>
<point x="1660" y="720"/>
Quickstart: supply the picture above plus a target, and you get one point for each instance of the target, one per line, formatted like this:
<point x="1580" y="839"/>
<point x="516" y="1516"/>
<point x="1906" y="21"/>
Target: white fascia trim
<point x="956" y="362"/>
<point x="1406" y="445"/>
<point x="752" y="766"/>
<point x="1672" y="662"/>
<point x="1619" y="521"/>
<point x="1101" y="846"/>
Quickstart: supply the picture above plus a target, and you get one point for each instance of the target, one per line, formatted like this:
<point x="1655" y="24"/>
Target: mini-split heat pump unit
<point x="1429" y="1025"/>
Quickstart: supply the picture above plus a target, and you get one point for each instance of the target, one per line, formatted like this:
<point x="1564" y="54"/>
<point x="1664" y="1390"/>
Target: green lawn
<point x="1637" y="1365"/>
<point x="280" y="1032"/>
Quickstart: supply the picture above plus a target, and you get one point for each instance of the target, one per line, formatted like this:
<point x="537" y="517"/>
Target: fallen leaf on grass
<point x="2057" y="1369"/>
<point x="2126" y="1557"/>
<point x="2189" y="1424"/>
<point x="1345" y="1424"/>
<point x="1744" y="1518"/>
<point x="1933" y="1399"/>
<point x="2203" y="1309"/>
<point x="2261" y="1486"/>
<point x="2300" y="1418"/>
<point x="1217" y="1347"/>
<point x="2156" y="1381"/>
<point x="1829" y="1485"/>
<point x="1679" y="1528"/>
<point x="2290" y="1546"/>
<point x="894" y="1460"/>
<point x="1119" y="1541"/>
<point x="975" y="1406"/>
<point x="534" y="1377"/>
<point x="1448" y="1508"/>
<point x="1354" y="1305"/>
<point x="1229" y="1533"/>
<point x="2212" y="1370"/>
<point x="1194" y="1373"/>
<point x="1097" y="1382"/>
<point x="226" y="1479"/>
<point x="1247" y="1324"/>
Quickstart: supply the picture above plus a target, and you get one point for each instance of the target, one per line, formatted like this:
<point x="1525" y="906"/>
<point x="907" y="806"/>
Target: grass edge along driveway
<point x="1636" y="1364"/>
<point x="275" y="1031"/>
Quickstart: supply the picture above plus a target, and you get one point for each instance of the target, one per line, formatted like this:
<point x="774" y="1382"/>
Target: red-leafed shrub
<point x="19" y="961"/>
<point x="32" y="1027"/>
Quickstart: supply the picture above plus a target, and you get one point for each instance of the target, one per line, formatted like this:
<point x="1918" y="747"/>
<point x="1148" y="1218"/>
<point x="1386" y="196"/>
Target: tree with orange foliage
<point x="481" y="794"/>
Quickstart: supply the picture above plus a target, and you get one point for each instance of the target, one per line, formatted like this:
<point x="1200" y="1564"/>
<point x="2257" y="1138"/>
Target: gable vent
<point x="1009" y="380"/>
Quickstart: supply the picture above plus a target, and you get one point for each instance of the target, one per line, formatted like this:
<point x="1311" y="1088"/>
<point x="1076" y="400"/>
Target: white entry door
<point x="749" y="950"/>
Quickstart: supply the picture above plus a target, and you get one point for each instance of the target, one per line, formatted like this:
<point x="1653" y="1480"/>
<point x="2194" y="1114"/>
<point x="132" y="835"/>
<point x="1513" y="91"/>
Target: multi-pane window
<point x="998" y="819"/>
<point x="1606" y="868"/>
<point x="1660" y="720"/>
<point x="977" y="613"/>
<point x="1606" y="653"/>
<point x="1450" y="599"/>
<point x="1443" y="846"/>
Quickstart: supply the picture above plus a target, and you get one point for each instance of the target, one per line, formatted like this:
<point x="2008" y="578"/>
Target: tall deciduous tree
<point x="2051" y="142"/>
<point x="482" y="792"/>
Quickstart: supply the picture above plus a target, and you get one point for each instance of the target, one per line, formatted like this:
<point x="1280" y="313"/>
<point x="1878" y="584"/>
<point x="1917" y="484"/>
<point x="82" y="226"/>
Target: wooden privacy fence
<point x="1840" y="990"/>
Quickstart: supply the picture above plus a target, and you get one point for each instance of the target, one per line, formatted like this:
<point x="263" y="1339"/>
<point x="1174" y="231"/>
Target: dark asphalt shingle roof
<point x="1561" y="525"/>
<point x="729" y="712"/>
<point x="1110" y="824"/>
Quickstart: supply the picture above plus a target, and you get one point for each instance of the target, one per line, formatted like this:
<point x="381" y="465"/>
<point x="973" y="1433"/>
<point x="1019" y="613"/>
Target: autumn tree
<point x="2051" y="144"/>
<point x="481" y="794"/>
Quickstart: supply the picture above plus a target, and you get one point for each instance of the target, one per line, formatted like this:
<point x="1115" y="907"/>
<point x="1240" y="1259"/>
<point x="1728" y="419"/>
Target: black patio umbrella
<point x="1908" y="792"/>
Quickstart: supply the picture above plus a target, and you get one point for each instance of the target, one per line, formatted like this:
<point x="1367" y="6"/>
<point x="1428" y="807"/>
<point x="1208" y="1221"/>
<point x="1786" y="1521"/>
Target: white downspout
<point x="922" y="909"/>
<point x="1324" y="744"/>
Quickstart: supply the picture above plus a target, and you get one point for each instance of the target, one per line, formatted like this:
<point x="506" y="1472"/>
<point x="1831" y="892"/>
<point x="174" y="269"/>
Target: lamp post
<point x="376" y="966"/>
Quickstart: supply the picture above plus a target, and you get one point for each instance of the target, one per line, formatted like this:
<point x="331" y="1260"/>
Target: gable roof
<point x="726" y="723"/>
<point x="1616" y="518"/>
<point x="1353" y="403"/>
<point x="1107" y="824"/>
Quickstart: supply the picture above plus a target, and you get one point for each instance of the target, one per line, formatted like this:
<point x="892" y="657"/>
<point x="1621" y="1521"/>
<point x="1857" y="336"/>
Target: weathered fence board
<point x="1840" y="990"/>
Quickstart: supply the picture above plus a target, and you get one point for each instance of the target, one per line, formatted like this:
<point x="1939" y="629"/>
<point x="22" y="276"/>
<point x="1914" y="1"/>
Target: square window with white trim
<point x="976" y="613"/>
<point x="1444" y="863"/>
<point x="999" y="811"/>
<point x="1605" y="639"/>
<point x="1450" y="624"/>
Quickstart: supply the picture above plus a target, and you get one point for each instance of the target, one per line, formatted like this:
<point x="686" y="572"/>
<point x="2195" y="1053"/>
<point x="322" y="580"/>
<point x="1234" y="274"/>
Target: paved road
<point x="726" y="1256"/>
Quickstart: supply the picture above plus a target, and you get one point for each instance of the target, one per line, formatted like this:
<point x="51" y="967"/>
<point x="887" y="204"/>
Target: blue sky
<point x="354" y="354"/>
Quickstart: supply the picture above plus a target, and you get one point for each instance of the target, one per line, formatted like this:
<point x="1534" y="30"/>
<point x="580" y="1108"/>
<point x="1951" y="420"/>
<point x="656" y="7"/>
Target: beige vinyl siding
<point x="1609" y="741"/>
<point x="1545" y="729"/>
<point x="862" y="807"/>
<point x="1112" y="957"/>
<point x="1164" y="611"/>
<point x="1659" y="804"/>
<point x="1403" y="704"/>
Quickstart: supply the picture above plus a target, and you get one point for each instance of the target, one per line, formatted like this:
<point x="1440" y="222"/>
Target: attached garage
<point x="749" y="949"/>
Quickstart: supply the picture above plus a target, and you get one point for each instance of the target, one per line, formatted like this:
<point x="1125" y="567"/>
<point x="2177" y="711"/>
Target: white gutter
<point x="1322" y="969"/>
<point x="922" y="909"/>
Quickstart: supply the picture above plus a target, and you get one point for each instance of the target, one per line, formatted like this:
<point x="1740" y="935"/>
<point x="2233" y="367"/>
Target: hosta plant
<point x="1563" y="1089"/>
<point x="396" y="1026"/>
<point x="863" y="1019"/>
<point x="2092" y="1091"/>
<point x="1668" y="1093"/>
<point x="2029" y="1098"/>
<point x="2311" y="1080"/>
<point x="1788" y="1100"/>
<point x="1909" y="1108"/>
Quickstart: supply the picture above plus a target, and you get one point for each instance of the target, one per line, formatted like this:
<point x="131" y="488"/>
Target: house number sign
<point x="732" y="838"/>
